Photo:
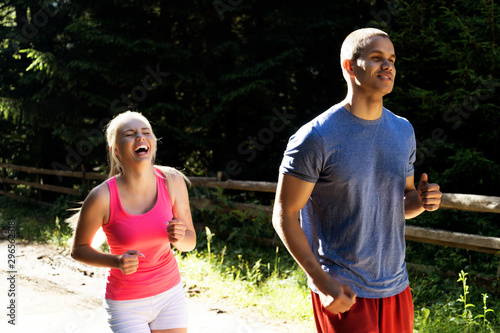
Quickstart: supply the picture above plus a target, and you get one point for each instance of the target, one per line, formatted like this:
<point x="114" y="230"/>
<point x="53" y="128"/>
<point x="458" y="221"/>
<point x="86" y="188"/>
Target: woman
<point x="142" y="209"/>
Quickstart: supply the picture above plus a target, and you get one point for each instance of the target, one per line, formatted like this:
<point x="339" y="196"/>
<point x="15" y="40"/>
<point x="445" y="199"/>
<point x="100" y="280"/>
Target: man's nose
<point x="387" y="65"/>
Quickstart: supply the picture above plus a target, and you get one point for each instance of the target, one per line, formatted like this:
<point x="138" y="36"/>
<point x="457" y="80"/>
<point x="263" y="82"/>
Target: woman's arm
<point x="181" y="229"/>
<point x="94" y="213"/>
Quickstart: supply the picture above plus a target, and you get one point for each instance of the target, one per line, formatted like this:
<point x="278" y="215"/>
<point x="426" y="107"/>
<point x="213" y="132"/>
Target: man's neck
<point x="364" y="107"/>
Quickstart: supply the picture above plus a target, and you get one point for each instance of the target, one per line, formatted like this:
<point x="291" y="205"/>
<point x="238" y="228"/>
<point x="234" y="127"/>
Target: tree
<point x="449" y="89"/>
<point x="226" y="83"/>
<point x="221" y="81"/>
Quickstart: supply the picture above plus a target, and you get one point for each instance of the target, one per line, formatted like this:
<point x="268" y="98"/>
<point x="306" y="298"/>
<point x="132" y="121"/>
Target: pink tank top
<point x="158" y="271"/>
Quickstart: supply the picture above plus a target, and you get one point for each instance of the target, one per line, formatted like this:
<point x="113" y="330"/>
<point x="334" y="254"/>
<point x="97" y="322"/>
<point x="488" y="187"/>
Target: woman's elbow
<point x="76" y="253"/>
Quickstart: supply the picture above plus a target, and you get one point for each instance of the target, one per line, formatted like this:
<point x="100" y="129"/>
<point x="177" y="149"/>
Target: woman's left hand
<point x="176" y="229"/>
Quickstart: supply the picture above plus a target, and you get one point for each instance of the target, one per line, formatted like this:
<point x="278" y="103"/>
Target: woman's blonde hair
<point x="116" y="167"/>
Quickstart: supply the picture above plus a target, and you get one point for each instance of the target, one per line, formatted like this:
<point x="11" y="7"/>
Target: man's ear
<point x="347" y="66"/>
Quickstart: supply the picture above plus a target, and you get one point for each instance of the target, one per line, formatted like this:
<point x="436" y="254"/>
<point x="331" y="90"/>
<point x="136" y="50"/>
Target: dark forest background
<point x="225" y="83"/>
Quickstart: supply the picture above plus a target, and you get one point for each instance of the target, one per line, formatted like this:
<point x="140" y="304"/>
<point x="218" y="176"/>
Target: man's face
<point x="374" y="70"/>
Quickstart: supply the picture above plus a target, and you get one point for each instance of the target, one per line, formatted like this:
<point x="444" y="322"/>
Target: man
<point x="349" y="172"/>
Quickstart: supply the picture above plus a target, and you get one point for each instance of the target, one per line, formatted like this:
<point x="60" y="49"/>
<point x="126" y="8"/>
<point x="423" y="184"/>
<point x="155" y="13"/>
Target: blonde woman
<point x="143" y="209"/>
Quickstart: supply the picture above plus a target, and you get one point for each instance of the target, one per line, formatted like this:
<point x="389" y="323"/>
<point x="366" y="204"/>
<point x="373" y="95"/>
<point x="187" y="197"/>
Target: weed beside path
<point x="58" y="294"/>
<point x="235" y="285"/>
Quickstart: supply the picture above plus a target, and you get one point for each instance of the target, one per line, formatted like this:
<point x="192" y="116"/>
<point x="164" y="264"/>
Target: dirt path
<point x="56" y="294"/>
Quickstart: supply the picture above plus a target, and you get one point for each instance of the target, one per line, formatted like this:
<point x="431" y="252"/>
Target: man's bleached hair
<point x="356" y="41"/>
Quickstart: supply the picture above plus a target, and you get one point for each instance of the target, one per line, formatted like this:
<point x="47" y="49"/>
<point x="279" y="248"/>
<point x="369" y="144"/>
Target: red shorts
<point x="368" y="315"/>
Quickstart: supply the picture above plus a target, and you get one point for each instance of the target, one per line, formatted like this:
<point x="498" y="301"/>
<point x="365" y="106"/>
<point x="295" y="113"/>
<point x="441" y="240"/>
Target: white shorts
<point x="164" y="311"/>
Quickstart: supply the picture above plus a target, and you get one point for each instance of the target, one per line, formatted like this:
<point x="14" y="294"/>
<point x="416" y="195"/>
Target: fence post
<point x="83" y="173"/>
<point x="38" y="181"/>
<point x="4" y="179"/>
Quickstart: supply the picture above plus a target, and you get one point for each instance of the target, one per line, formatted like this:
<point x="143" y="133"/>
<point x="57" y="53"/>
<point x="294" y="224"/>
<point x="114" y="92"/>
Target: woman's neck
<point x="137" y="180"/>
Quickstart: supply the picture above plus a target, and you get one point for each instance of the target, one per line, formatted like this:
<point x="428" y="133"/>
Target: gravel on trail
<point x="52" y="293"/>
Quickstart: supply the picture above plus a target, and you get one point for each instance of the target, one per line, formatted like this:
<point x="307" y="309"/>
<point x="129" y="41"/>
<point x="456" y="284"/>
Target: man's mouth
<point x="386" y="77"/>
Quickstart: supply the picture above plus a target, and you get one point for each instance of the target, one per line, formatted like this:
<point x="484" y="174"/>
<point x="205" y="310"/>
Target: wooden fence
<point x="463" y="202"/>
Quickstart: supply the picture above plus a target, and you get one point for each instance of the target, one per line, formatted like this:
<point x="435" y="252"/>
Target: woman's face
<point x="135" y="142"/>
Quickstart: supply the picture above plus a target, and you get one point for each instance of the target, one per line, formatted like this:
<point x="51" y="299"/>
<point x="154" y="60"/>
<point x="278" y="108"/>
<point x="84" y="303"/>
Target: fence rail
<point x="463" y="202"/>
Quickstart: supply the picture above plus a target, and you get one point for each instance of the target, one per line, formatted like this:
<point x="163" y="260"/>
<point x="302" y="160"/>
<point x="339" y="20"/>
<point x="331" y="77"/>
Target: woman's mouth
<point x="141" y="150"/>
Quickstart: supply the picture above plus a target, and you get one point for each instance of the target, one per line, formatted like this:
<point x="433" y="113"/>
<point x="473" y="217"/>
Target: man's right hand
<point x="337" y="298"/>
<point x="292" y="194"/>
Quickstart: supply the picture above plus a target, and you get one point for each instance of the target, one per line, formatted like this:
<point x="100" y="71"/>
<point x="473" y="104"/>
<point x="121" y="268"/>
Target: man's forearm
<point x="294" y="239"/>
<point x="413" y="208"/>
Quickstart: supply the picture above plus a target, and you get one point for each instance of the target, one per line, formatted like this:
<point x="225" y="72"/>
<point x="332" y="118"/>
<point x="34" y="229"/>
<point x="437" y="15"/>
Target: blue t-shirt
<point x="354" y="220"/>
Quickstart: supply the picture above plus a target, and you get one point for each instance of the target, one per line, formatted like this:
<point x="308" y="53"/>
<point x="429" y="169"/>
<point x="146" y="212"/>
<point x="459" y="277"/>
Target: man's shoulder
<point x="399" y="120"/>
<point x="326" y="118"/>
<point x="315" y="130"/>
<point x="394" y="117"/>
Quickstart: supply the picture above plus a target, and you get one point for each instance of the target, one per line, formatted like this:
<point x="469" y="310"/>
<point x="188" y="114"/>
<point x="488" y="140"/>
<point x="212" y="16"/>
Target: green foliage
<point x="437" y="309"/>
<point x="34" y="223"/>
<point x="441" y="305"/>
<point x="216" y="77"/>
<point x="89" y="60"/>
<point x="462" y="277"/>
<point x="447" y="88"/>
<point x="224" y="70"/>
<point x="265" y="277"/>
<point x="249" y="277"/>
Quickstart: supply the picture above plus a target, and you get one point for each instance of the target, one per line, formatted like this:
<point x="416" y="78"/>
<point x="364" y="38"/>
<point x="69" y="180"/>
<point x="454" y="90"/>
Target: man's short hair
<point x="356" y="41"/>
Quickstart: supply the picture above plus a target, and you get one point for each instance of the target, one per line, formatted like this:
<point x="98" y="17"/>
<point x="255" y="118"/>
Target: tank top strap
<point x="114" y="199"/>
<point x="163" y="194"/>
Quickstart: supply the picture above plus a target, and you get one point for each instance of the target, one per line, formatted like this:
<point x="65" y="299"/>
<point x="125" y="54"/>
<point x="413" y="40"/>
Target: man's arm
<point x="426" y="196"/>
<point x="291" y="196"/>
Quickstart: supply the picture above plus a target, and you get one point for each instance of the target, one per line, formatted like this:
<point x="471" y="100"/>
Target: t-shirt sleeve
<point x="303" y="157"/>
<point x="410" y="170"/>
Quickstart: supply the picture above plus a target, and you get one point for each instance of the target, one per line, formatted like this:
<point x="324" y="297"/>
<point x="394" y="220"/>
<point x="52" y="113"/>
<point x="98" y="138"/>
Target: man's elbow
<point x="276" y="218"/>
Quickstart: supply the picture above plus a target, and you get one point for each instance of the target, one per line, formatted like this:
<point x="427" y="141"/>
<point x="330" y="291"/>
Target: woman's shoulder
<point x="171" y="175"/>
<point x="175" y="181"/>
<point x="99" y="194"/>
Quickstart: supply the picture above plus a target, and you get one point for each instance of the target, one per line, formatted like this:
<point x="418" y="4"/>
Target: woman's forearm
<point x="188" y="243"/>
<point x="90" y="256"/>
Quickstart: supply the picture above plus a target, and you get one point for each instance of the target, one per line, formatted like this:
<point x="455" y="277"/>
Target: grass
<point x="453" y="305"/>
<point x="34" y="223"/>
<point x="441" y="304"/>
<point x="265" y="286"/>
<point x="451" y="295"/>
